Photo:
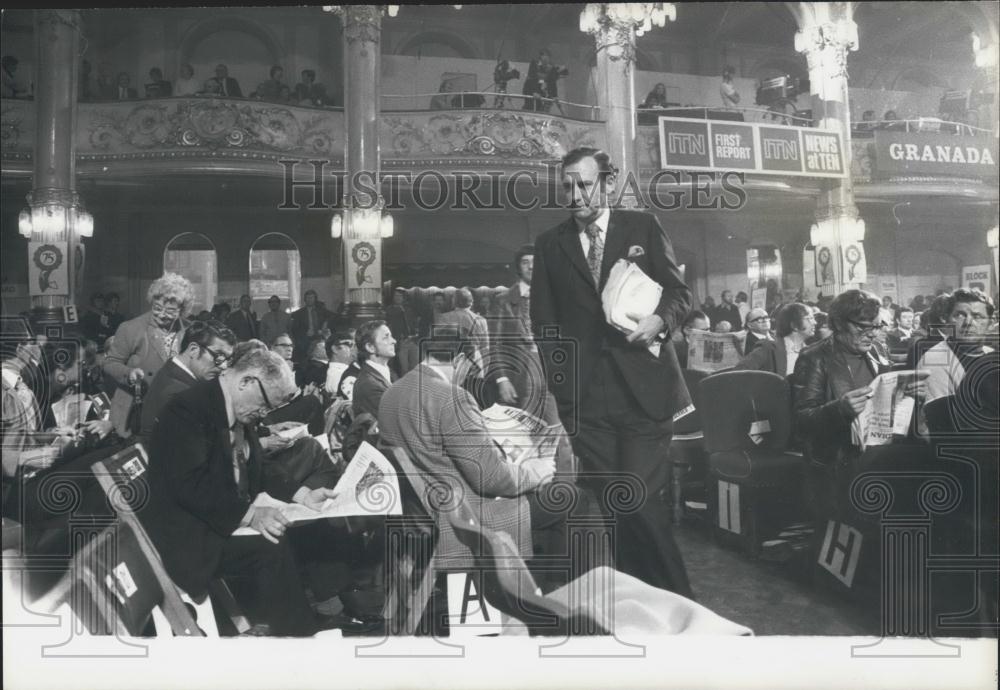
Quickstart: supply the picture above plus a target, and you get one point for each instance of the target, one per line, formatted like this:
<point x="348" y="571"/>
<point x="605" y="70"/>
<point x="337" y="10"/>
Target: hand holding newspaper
<point x="521" y="435"/>
<point x="369" y="487"/>
<point x="629" y="296"/>
<point x="887" y="412"/>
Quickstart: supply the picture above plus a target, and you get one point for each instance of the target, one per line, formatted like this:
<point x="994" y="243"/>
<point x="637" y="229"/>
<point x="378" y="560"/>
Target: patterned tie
<point x="596" y="253"/>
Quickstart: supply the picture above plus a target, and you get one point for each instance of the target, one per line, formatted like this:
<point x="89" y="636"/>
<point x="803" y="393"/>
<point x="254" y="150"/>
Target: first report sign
<point x="687" y="144"/>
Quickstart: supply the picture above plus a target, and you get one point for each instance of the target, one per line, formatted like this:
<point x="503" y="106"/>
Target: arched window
<point x="275" y="269"/>
<point x="192" y="255"/>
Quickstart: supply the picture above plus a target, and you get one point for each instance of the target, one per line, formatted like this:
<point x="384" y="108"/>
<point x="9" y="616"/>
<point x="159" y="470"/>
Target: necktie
<point x="225" y="91"/>
<point x="240" y="461"/>
<point x="596" y="252"/>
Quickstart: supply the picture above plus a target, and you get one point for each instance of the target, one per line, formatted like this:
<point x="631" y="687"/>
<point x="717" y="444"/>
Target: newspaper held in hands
<point x="887" y="412"/>
<point x="369" y="487"/>
<point x="713" y="352"/>
<point x="521" y="435"/>
<point x="71" y="410"/>
<point x="629" y="293"/>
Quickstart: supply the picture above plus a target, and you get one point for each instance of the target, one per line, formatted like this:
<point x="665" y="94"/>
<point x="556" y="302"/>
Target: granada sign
<point x="898" y="153"/>
<point x="687" y="144"/>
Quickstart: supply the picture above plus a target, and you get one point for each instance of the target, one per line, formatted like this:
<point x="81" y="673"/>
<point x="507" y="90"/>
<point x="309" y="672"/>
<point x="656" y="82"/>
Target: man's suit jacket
<point x="563" y="295"/>
<point x="441" y="428"/>
<point x="769" y="355"/>
<point x="899" y="342"/>
<point x="753" y="340"/>
<point x="168" y="382"/>
<point x="368" y="390"/>
<point x="243" y="324"/>
<point x="232" y="88"/>
<point x="194" y="503"/>
<point x="299" y="323"/>
<point x="471" y="324"/>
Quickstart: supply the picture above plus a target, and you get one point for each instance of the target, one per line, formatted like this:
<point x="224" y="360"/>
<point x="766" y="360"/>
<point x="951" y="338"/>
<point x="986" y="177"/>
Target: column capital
<point x="361" y="22"/>
<point x="826" y="45"/>
<point x="615" y="26"/>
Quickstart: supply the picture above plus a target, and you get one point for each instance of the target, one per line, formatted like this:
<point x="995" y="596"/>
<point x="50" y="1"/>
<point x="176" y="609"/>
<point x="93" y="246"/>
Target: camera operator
<point x="502" y="74"/>
<point x="542" y="83"/>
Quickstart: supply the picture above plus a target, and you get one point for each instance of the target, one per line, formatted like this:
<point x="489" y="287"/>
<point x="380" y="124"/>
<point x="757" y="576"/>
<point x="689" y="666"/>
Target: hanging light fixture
<point x="53" y="218"/>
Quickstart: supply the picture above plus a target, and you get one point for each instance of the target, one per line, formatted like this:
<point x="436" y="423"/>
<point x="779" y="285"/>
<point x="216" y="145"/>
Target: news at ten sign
<point x="687" y="144"/>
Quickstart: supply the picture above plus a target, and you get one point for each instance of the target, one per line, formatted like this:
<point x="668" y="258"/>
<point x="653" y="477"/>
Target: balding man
<point x="205" y="472"/>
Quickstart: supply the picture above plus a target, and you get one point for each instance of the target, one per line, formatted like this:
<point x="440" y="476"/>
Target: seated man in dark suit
<point x="206" y="349"/>
<point x="696" y="320"/>
<point x="758" y="327"/>
<point x="205" y="474"/>
<point x="376" y="347"/>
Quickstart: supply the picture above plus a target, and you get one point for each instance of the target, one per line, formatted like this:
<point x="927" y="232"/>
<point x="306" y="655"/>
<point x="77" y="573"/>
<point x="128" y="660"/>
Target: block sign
<point x="976" y="277"/>
<point x="712" y="145"/>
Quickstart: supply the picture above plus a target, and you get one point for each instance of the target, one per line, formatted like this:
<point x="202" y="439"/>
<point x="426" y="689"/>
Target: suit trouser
<point x="623" y="460"/>
<point x="277" y="595"/>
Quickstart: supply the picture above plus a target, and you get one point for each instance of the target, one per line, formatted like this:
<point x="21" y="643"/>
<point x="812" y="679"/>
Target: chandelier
<point x="51" y="218"/>
<point x="641" y="16"/>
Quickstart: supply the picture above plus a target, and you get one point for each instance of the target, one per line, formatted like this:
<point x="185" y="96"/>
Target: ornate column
<point x="54" y="220"/>
<point x="614" y="28"/>
<point x="361" y="224"/>
<point x="827" y="33"/>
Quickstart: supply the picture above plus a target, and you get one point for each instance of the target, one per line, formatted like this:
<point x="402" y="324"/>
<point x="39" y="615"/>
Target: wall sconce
<point x="337" y="226"/>
<point x="368" y="221"/>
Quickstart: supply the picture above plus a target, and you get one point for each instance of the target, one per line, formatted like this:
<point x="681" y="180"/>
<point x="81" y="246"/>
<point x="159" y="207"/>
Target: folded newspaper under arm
<point x="887" y="412"/>
<point x="630" y="291"/>
<point x="369" y="487"/>
<point x="520" y="435"/>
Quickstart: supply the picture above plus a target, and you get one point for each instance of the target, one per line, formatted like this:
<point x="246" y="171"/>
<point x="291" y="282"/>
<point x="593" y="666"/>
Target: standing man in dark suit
<point x="616" y="399"/>
<point x="376" y="347"/>
<point x="206" y="349"/>
<point x="205" y="473"/>
<point x="308" y="322"/>
<point x="243" y="321"/>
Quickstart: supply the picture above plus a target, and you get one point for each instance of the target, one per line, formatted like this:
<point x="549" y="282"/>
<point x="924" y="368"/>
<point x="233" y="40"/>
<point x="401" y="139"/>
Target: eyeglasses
<point x="165" y="309"/>
<point x="267" y="400"/>
<point x="760" y="318"/>
<point x="345" y="343"/>
<point x="220" y="359"/>
<point x="867" y="328"/>
<point x="283" y="345"/>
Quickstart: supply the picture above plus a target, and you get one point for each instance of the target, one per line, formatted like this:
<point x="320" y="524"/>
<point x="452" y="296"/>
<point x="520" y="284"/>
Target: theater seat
<point x="687" y="448"/>
<point x="755" y="487"/>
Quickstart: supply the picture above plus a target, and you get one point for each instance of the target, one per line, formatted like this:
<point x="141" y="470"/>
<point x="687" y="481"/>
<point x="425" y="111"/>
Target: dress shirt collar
<point x="230" y="414"/>
<point x="177" y="360"/>
<point x="601" y="221"/>
<point x="380" y="368"/>
<point x="524" y="288"/>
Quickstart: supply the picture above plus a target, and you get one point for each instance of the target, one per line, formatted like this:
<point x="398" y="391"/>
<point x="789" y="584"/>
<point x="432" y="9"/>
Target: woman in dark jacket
<point x="830" y="386"/>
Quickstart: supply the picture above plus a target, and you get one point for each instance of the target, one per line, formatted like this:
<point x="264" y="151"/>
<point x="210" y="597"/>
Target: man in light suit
<point x="616" y="398"/>
<point x="442" y="430"/>
<point x="376" y="347"/>
<point x="205" y="471"/>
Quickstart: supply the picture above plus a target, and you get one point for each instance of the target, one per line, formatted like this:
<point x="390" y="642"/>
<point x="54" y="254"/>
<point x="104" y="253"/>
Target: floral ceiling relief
<point x="500" y="134"/>
<point x="211" y="124"/>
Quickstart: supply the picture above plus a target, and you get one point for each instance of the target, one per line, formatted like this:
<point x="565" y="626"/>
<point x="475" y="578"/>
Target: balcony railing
<point x="489" y="100"/>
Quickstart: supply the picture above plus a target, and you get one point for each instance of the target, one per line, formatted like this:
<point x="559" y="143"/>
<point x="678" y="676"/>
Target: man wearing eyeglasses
<point x="206" y="349"/>
<point x="206" y="477"/>
<point x="758" y="329"/>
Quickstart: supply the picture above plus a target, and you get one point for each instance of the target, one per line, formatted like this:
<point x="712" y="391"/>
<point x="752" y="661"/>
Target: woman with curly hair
<point x="144" y="344"/>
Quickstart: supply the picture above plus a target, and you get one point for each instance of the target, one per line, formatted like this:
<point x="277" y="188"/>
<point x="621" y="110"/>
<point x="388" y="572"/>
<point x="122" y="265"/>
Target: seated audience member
<point x="657" y="98"/>
<point x="375" y="347"/>
<point x="867" y="123"/>
<point x="221" y="311"/>
<point x="694" y="321"/>
<point x="158" y="87"/>
<point x="94" y="322"/>
<point x="311" y="374"/>
<point x="243" y="321"/>
<point x="274" y="322"/>
<point x="145" y="343"/>
<point x="758" y="326"/>
<point x="228" y="86"/>
<point x="206" y="349"/>
<point x="307" y="408"/>
<point x="960" y="342"/>
<point x="123" y="90"/>
<point x="186" y="84"/>
<point x="270" y="90"/>
<point x="205" y="472"/>
<point x="308" y="92"/>
<point x="443" y="100"/>
<point x="284" y="346"/>
<point x="441" y="429"/>
<point x="830" y="386"/>
<point x="822" y="330"/>
<point x="795" y="326"/>
<point x="341" y="350"/>
<point x="211" y="87"/>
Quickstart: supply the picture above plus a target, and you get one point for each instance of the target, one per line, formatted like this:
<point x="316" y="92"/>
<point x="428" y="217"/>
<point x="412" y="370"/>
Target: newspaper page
<point x="887" y="412"/>
<point x="71" y="410"/>
<point x="629" y="291"/>
<point x="715" y="351"/>
<point x="369" y="487"/>
<point x="520" y="434"/>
